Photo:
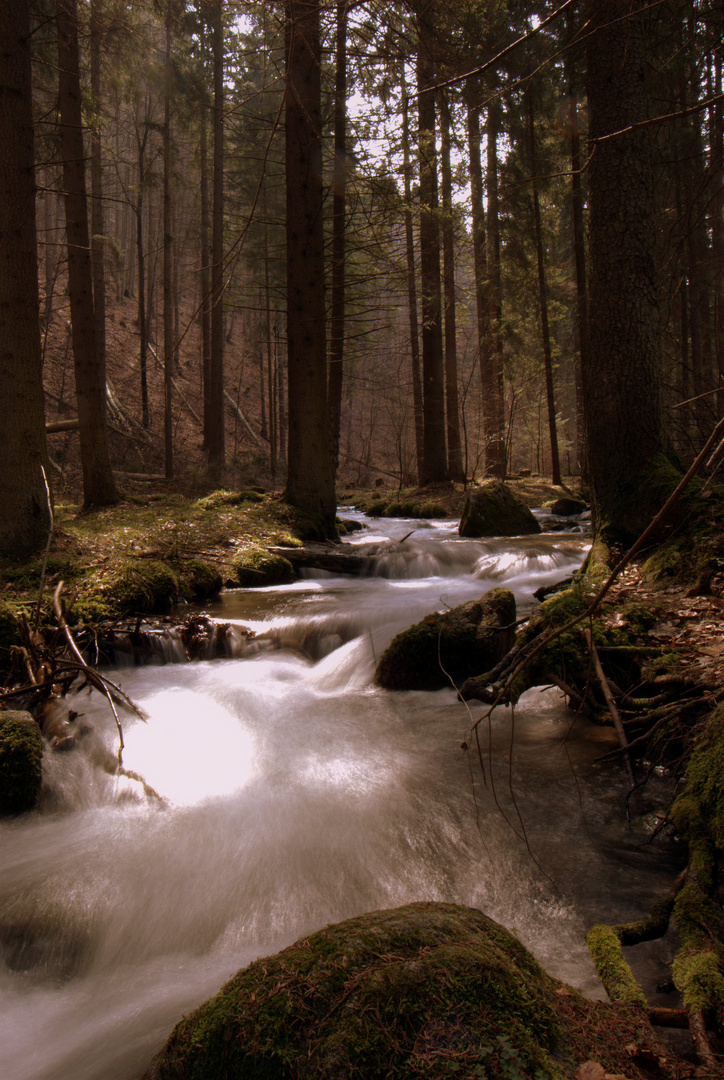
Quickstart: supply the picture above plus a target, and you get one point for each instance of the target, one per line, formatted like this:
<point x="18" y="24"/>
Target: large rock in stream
<point x="455" y="644"/>
<point x="411" y="992"/>
<point x="428" y="990"/>
<point x="21" y="755"/>
<point x="493" y="510"/>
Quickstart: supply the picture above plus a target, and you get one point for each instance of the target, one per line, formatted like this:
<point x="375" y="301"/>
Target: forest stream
<point x="294" y="793"/>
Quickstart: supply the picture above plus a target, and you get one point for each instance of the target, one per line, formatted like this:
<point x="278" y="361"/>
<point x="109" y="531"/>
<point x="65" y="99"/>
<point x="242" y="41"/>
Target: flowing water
<point x="293" y="793"/>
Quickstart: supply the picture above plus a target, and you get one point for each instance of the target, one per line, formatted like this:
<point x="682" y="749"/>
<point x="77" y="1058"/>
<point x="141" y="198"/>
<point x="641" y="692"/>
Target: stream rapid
<point x="294" y="793"/>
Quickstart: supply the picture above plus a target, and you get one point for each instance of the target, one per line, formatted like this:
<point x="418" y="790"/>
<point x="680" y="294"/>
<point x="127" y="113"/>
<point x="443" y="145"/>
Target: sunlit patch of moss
<point x="146" y="586"/>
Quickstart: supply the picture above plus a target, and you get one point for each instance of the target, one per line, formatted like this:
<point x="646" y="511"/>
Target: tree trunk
<point x="205" y="275"/>
<point x="339" y="225"/>
<point x="579" y="249"/>
<point x="215" y="442"/>
<point x="493" y="394"/>
<point x="25" y="517"/>
<point x="90" y="376"/>
<point x="477" y="206"/>
<point x="141" y="139"/>
<point x="623" y="385"/>
<point x="310" y="475"/>
<point x="412" y="282"/>
<point x="434" y="458"/>
<point x="543" y="297"/>
<point x="168" y="340"/>
<point x="97" y="224"/>
<point x="454" y="454"/>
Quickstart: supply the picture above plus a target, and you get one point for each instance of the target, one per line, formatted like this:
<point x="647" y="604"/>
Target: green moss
<point x="219" y="499"/>
<point x="455" y="644"/>
<point x="706" y="779"/>
<point x="255" y="567"/>
<point x="145" y="586"/>
<point x="428" y="990"/>
<point x="699" y="977"/>
<point x="201" y="579"/>
<point x="613" y="971"/>
<point x="493" y="510"/>
<point x="21" y="754"/>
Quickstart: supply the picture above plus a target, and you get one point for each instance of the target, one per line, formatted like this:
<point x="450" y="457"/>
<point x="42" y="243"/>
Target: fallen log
<point x="332" y="558"/>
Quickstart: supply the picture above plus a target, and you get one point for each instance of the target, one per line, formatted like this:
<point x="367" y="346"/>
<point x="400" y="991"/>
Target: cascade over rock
<point x="493" y="510"/>
<point x="472" y="637"/>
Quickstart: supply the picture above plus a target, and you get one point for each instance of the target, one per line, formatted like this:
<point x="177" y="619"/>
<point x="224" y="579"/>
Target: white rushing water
<point x="293" y="793"/>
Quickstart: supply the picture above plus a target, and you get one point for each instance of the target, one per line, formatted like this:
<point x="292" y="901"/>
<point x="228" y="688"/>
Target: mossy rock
<point x="493" y="510"/>
<point x="567" y="506"/>
<point x="455" y="644"/>
<point x="427" y="990"/>
<point x="21" y="755"/>
<point x="218" y="499"/>
<point x="146" y="586"/>
<point x="256" y="567"/>
<point x="201" y="579"/>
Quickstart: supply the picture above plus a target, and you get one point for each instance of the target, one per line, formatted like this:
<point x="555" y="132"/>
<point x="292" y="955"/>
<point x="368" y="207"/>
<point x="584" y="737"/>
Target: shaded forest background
<point x="502" y="185"/>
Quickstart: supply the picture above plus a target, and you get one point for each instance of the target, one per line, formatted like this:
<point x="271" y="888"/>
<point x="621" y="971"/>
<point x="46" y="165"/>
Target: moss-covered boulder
<point x="493" y="510"/>
<point x="8" y="633"/>
<point x="567" y="506"/>
<point x="426" y="990"/>
<point x="201" y="580"/>
<point x="21" y="754"/>
<point x="255" y="567"/>
<point x="471" y="638"/>
<point x="145" y="586"/>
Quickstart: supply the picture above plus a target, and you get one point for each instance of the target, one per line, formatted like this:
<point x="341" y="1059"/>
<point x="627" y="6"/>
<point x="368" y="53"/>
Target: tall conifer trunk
<point x="215" y="434"/>
<point x="90" y="376"/>
<point x="310" y="474"/>
<point x="411" y="282"/>
<point x="25" y="516"/>
<point x="339" y="227"/>
<point x="623" y="384"/>
<point x="434" y="463"/>
<point x="454" y="454"/>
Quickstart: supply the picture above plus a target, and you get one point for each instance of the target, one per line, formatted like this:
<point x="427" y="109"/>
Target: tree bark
<point x="412" y="282"/>
<point x="579" y="249"/>
<point x="434" y="458"/>
<point x="623" y="384"/>
<point x="215" y="441"/>
<point x="97" y="222"/>
<point x="90" y="377"/>
<point x="339" y="225"/>
<point x="310" y="475"/>
<point x="543" y="298"/>
<point x="168" y="338"/>
<point x="25" y="517"/>
<point x="454" y="452"/>
<point x="493" y="393"/>
<point x="205" y="273"/>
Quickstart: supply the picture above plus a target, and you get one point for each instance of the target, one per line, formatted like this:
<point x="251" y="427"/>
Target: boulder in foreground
<point x="455" y="644"/>
<point x="423" y="992"/>
<point x="493" y="510"/>
<point x="411" y="992"/>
